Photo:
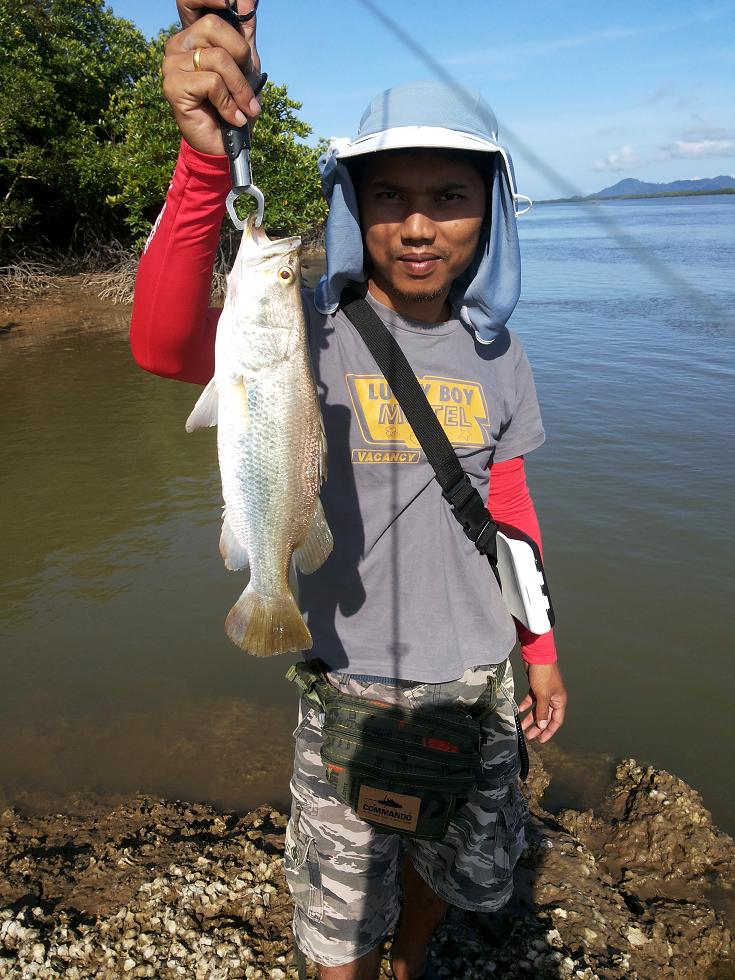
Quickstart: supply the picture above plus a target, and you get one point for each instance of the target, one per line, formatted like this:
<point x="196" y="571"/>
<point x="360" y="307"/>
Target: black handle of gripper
<point x="237" y="138"/>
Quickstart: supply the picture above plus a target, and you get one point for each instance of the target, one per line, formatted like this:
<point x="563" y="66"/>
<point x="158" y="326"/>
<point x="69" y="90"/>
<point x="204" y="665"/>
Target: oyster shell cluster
<point x="152" y="888"/>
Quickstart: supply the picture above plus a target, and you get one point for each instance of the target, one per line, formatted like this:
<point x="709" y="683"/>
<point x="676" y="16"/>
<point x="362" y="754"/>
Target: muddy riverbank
<point x="641" y="888"/>
<point x="64" y="305"/>
<point x="45" y="306"/>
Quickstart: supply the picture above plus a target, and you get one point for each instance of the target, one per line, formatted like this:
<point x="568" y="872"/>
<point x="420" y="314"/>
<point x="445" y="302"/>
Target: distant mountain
<point x="639" y="187"/>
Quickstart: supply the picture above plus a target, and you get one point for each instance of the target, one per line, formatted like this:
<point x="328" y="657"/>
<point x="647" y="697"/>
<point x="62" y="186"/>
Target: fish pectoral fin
<point x="239" y="400"/>
<point x="204" y="413"/>
<point x="317" y="545"/>
<point x="265" y="625"/>
<point x="234" y="553"/>
<point x="322" y="452"/>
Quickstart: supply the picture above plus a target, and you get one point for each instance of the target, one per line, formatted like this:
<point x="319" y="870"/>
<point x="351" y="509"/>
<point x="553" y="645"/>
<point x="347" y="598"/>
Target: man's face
<point x="421" y="213"/>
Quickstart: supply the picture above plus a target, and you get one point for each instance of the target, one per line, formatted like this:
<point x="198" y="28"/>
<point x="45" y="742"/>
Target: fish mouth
<point x="259" y="241"/>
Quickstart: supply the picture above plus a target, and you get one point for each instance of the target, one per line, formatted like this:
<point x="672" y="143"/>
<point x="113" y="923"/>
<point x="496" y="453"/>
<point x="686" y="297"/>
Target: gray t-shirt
<point x="405" y="594"/>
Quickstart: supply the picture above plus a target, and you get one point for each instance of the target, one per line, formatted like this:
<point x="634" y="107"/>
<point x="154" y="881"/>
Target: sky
<point x="586" y="94"/>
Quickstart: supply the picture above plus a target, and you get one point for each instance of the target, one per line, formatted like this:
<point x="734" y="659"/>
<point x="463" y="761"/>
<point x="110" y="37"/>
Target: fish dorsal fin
<point x="204" y="413"/>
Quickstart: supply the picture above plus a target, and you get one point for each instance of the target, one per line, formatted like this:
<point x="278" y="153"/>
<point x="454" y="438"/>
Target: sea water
<point x="116" y="674"/>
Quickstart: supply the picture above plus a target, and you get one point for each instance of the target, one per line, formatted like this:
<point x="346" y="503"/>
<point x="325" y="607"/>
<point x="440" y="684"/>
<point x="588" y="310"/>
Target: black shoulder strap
<point x="466" y="503"/>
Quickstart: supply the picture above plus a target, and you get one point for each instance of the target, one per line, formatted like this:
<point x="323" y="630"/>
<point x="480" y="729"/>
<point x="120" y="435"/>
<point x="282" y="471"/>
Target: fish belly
<point x="269" y="442"/>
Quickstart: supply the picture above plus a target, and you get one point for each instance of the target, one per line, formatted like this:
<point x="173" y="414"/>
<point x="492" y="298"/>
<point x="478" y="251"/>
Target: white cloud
<point x="696" y="149"/>
<point x="696" y="144"/>
<point x="705" y="132"/>
<point x="623" y="159"/>
<point x="512" y="52"/>
<point x="524" y="50"/>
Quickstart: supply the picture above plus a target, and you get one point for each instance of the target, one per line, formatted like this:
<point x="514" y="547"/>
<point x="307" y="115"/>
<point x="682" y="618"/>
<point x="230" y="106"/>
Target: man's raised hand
<point x="205" y="73"/>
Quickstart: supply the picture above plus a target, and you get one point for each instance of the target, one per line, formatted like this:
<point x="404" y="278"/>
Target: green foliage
<point x="147" y="141"/>
<point x="87" y="140"/>
<point x="61" y="60"/>
<point x="144" y="144"/>
<point x="285" y="170"/>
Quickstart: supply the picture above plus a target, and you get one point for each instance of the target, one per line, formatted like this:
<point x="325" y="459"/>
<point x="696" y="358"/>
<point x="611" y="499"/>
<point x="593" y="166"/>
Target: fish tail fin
<point x="266" y="625"/>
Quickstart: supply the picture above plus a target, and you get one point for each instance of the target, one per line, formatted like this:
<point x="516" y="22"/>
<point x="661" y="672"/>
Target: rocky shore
<point x="641" y="888"/>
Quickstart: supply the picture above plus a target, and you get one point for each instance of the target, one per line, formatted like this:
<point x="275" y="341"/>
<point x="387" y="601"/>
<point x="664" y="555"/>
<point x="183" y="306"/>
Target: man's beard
<point x="424" y="296"/>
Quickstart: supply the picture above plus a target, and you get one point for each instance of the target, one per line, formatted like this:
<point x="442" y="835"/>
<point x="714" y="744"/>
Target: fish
<point x="270" y="442"/>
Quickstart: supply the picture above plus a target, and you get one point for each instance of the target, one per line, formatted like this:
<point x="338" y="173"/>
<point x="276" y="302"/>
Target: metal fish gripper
<point x="236" y="139"/>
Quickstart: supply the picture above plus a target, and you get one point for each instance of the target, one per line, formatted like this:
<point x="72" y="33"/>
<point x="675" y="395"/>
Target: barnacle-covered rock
<point x="179" y="891"/>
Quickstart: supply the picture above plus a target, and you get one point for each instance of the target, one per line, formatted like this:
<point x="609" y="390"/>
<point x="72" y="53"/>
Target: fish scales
<point x="270" y="443"/>
<point x="273" y="462"/>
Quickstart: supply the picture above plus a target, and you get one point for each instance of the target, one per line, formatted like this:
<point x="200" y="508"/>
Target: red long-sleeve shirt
<point x="173" y="328"/>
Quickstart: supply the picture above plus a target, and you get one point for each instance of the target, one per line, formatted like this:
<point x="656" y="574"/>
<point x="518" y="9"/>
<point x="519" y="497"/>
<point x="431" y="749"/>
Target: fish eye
<point x="285" y="275"/>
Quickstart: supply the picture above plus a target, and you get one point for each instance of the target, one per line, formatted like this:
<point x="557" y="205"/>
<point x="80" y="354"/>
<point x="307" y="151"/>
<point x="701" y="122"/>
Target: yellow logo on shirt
<point x="459" y="405"/>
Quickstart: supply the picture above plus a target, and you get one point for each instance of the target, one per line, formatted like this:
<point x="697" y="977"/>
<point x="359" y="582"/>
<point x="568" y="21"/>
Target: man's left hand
<point x="548" y="698"/>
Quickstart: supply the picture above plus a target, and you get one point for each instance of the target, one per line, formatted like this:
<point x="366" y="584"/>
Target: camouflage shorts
<point x="345" y="876"/>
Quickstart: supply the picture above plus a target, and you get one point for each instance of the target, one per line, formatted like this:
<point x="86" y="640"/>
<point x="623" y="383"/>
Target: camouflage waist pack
<point x="402" y="771"/>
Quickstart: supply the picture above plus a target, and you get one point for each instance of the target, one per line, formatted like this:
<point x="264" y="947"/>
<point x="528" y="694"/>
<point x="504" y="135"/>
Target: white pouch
<point x="524" y="585"/>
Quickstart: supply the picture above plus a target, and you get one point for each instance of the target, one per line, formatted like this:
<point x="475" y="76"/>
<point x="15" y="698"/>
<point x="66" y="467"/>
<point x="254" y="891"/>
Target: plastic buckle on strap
<point x="485" y="542"/>
<point x="472" y="514"/>
<point x="308" y="680"/>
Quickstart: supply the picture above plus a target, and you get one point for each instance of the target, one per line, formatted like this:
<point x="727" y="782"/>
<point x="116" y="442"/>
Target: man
<point x="405" y="611"/>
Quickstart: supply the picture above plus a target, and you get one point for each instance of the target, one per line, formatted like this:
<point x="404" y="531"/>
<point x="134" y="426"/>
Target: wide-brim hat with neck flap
<point x="428" y="114"/>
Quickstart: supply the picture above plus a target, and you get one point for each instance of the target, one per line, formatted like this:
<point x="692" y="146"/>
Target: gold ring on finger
<point x="197" y="59"/>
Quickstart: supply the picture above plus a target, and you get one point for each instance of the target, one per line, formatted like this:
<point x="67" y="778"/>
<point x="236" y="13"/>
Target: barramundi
<point x="270" y="441"/>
